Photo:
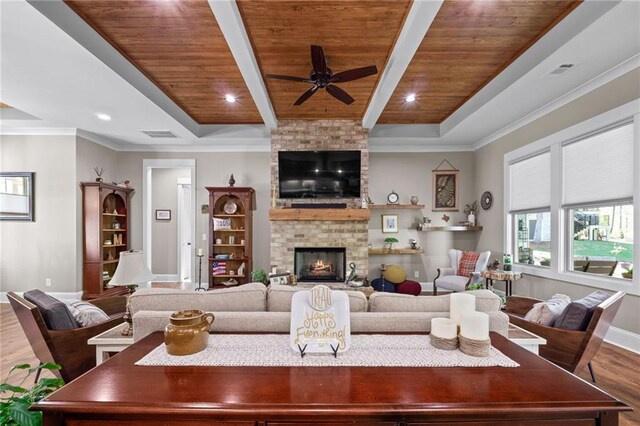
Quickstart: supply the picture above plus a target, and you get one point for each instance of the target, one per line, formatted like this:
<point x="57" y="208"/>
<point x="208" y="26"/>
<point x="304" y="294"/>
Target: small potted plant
<point x="472" y="210"/>
<point x="545" y="261"/>
<point x="628" y="274"/>
<point x="390" y="241"/>
<point x="259" y="276"/>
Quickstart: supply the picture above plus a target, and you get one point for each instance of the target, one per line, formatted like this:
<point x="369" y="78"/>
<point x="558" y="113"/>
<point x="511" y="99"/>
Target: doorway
<point x="169" y="219"/>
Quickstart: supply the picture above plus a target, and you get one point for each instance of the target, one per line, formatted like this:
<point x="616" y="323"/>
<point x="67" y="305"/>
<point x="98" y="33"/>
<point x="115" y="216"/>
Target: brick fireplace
<point x="337" y="228"/>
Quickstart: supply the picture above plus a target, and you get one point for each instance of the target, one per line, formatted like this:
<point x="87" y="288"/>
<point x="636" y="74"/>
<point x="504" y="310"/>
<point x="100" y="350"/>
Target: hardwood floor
<point x="616" y="369"/>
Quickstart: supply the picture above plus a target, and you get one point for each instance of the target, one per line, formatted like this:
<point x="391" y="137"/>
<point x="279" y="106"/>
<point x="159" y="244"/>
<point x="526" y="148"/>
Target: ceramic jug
<point x="188" y="332"/>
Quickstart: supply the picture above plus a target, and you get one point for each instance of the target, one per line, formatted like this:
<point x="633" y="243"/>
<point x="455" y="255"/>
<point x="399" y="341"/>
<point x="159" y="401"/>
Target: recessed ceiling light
<point x="229" y="98"/>
<point x="411" y="97"/>
<point x="104" y="117"/>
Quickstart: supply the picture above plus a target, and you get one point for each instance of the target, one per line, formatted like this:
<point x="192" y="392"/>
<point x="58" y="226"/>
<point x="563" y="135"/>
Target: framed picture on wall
<point x="389" y="223"/>
<point x="163" y="214"/>
<point x="445" y="190"/>
<point x="16" y="196"/>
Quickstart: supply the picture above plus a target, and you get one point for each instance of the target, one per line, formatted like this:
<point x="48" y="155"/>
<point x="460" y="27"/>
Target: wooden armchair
<point x="571" y="350"/>
<point x="68" y="348"/>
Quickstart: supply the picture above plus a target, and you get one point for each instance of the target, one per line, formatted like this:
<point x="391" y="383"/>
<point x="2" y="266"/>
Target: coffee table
<point x="537" y="392"/>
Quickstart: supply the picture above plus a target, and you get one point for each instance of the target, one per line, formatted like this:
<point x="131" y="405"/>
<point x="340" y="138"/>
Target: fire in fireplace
<point x="320" y="264"/>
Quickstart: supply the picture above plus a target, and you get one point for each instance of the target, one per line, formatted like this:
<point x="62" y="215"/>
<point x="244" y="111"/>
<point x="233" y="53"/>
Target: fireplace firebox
<point x="320" y="264"/>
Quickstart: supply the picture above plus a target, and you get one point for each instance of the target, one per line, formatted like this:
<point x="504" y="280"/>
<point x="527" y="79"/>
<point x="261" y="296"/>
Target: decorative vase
<point x="472" y="219"/>
<point x="414" y="199"/>
<point x="188" y="332"/>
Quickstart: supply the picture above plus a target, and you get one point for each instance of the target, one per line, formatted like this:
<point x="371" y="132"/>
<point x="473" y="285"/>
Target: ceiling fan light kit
<point x="322" y="77"/>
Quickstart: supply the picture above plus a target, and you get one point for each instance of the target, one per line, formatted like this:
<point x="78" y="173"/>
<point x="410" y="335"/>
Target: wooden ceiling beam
<point x="415" y="27"/>
<point x="232" y="27"/>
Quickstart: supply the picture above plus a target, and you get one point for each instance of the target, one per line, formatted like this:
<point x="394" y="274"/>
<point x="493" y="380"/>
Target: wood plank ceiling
<point x="179" y="46"/>
<point x="467" y="45"/>
<point x="353" y="34"/>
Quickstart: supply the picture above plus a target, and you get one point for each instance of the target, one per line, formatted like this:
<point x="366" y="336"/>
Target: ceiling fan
<point x="323" y="77"/>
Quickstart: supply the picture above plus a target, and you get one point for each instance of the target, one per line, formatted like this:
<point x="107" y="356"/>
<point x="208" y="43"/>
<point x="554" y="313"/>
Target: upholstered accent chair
<point x="449" y="279"/>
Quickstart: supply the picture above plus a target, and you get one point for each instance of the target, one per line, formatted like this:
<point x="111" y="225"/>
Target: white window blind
<point x="599" y="167"/>
<point x="530" y="187"/>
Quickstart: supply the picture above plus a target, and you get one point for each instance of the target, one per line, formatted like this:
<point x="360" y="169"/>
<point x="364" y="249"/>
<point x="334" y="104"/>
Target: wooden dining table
<point x="535" y="393"/>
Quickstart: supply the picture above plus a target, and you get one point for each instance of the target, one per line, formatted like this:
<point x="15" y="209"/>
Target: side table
<point x="507" y="276"/>
<point x="524" y="338"/>
<point x="111" y="340"/>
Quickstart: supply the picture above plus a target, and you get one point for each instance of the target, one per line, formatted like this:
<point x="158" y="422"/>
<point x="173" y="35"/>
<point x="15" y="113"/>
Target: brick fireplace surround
<point x="353" y="235"/>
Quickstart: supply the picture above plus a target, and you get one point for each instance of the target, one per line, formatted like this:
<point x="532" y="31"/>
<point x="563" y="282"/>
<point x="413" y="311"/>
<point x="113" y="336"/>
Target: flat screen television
<point x="319" y="174"/>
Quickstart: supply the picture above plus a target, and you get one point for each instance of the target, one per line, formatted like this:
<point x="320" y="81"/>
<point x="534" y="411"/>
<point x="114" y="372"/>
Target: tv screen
<point x="319" y="174"/>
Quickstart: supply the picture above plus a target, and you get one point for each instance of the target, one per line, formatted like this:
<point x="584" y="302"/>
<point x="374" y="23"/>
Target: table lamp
<point x="131" y="271"/>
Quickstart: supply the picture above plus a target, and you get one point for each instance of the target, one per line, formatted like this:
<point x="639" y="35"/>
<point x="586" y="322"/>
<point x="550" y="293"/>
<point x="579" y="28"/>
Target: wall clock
<point x="393" y="198"/>
<point x="486" y="201"/>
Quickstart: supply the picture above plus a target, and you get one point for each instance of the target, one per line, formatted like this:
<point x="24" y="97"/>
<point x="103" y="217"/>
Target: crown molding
<point x="389" y="146"/>
<point x="596" y="82"/>
<point x="230" y="145"/>
<point x="92" y="137"/>
<point x="38" y="131"/>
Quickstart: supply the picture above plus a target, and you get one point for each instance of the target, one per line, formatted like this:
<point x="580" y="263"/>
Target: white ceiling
<point x="65" y="77"/>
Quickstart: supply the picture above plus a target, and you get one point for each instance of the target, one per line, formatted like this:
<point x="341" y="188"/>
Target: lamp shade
<point x="131" y="269"/>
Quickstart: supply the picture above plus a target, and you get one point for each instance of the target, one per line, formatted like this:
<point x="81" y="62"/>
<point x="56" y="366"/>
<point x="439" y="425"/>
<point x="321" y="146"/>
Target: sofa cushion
<point x="87" y="314"/>
<point x="246" y="297"/>
<point x="486" y="301"/>
<point x="279" y="298"/>
<point x="546" y="312"/>
<point x="467" y="263"/>
<point x="395" y="274"/>
<point x="55" y="313"/>
<point x="577" y="314"/>
<point x="452" y="282"/>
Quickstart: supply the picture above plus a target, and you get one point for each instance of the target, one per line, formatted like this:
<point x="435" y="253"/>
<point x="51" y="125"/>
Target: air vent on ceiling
<point x="561" y="69"/>
<point x="159" y="134"/>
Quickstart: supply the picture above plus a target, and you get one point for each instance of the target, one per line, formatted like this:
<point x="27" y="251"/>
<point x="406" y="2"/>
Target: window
<point x="533" y="238"/>
<point x="572" y="202"/>
<point x="530" y="201"/>
<point x="602" y="240"/>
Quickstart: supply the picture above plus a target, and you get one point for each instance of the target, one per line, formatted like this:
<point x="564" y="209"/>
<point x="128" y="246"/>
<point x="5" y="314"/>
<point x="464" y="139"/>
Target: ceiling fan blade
<point x="318" y="60"/>
<point x="354" y="74"/>
<point x="287" y="77"/>
<point x="306" y="95"/>
<point x="340" y="94"/>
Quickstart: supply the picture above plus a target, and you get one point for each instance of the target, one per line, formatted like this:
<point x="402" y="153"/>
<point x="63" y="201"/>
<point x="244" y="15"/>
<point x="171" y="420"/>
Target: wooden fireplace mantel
<point x="338" y="215"/>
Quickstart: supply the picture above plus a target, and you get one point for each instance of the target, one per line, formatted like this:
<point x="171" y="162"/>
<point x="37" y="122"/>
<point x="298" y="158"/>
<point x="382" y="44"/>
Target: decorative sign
<point x="320" y="321"/>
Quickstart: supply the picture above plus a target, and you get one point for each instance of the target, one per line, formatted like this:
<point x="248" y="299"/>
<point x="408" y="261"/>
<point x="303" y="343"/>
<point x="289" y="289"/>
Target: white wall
<point x="489" y="177"/>
<point x="30" y="252"/>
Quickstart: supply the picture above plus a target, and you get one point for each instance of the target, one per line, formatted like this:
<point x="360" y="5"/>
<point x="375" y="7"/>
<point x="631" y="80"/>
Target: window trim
<point x="558" y="270"/>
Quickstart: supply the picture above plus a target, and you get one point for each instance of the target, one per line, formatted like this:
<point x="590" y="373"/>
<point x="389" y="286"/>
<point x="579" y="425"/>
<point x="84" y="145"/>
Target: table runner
<point x="370" y="350"/>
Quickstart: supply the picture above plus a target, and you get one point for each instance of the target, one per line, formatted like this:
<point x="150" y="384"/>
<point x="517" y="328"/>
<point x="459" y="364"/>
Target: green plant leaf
<point x="21" y="415"/>
<point x="6" y="387"/>
<point x="50" y="366"/>
<point x="52" y="383"/>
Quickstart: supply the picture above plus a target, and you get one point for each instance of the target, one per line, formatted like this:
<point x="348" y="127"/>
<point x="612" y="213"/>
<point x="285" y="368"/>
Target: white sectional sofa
<point x="256" y="308"/>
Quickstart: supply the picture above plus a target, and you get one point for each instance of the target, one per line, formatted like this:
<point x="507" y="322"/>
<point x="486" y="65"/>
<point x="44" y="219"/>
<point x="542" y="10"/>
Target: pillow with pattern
<point x="86" y="314"/>
<point x="467" y="263"/>
<point x="220" y="223"/>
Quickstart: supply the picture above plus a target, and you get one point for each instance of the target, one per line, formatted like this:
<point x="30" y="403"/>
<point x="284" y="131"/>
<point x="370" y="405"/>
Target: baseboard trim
<point x="68" y="295"/>
<point x="623" y="339"/>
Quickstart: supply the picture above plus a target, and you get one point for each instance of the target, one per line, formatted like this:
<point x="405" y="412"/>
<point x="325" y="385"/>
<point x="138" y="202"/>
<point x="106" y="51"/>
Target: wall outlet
<point x="47" y="282"/>
<point x="204" y="237"/>
<point x="416" y="274"/>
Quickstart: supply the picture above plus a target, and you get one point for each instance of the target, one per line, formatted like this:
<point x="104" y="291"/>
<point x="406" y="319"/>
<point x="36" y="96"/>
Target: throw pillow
<point x="395" y="274"/>
<point x="578" y="313"/>
<point x="87" y="314"/>
<point x="546" y="312"/>
<point x="467" y="263"/>
<point x="55" y="313"/>
<point x="221" y="224"/>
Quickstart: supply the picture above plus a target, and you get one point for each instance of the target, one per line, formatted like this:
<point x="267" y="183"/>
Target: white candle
<point x="461" y="303"/>
<point x="474" y="325"/>
<point x="199" y="252"/>
<point x="444" y="328"/>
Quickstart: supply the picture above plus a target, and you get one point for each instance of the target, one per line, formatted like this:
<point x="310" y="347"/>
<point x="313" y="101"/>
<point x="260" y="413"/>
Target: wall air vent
<point x="159" y="134"/>
<point x="561" y="69"/>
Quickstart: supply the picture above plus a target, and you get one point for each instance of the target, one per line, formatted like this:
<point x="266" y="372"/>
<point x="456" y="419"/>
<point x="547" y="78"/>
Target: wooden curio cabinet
<point x="105" y="233"/>
<point x="230" y="235"/>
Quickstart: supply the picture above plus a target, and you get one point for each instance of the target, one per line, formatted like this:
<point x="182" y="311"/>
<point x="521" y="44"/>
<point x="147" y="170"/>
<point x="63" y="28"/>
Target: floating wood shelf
<point x="452" y="228"/>
<point x="396" y="206"/>
<point x="385" y="251"/>
<point x="114" y="214"/>
<point x="339" y="215"/>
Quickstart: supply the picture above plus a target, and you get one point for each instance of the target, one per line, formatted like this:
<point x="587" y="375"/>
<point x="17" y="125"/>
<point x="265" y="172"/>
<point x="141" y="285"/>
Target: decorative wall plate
<point x="486" y="201"/>
<point x="230" y="207"/>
